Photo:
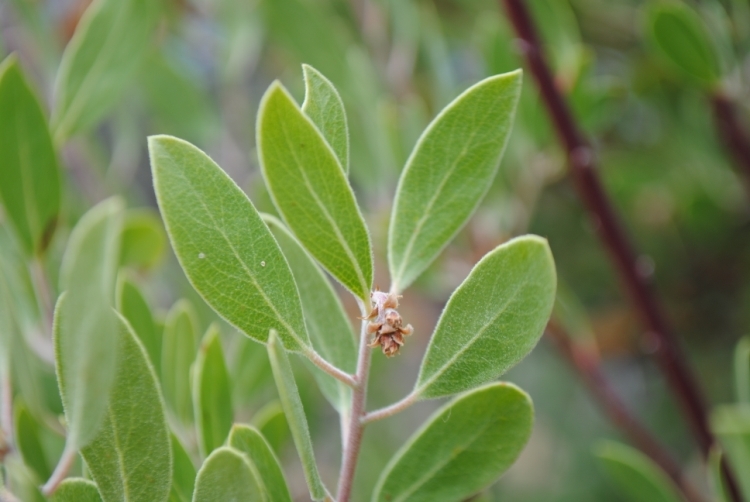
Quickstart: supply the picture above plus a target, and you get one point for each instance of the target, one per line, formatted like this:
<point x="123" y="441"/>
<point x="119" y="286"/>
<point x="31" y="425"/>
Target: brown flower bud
<point x="386" y="324"/>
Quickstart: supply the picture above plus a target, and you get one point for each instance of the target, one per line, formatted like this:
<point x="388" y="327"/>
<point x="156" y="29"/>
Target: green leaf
<point x="183" y="473"/>
<point x="636" y="476"/>
<point x="742" y="370"/>
<point x="85" y="327"/>
<point x="295" y="415"/>
<point x="77" y="490"/>
<point x="30" y="177"/>
<point x="249" y="441"/>
<point x="330" y="330"/>
<point x="130" y="459"/>
<point x="449" y="171"/>
<point x="492" y="320"/>
<point x="680" y="36"/>
<point x="179" y="348"/>
<point x="225" y="249"/>
<point x="100" y="61"/>
<point x="28" y="441"/>
<point x="133" y="306"/>
<point x="324" y="107"/>
<point x="143" y="239"/>
<point x="311" y="192"/>
<point x="212" y="395"/>
<point x="250" y="373"/>
<point x="715" y="475"/>
<point x="227" y="476"/>
<point x="462" y="448"/>
<point x="731" y="424"/>
<point x="272" y="423"/>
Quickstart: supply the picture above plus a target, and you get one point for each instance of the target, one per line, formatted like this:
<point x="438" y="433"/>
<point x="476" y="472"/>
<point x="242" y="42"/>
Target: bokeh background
<point x="396" y="64"/>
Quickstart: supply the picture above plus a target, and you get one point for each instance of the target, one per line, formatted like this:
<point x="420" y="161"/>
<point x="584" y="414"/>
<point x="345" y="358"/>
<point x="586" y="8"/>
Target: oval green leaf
<point x="679" y="34"/>
<point x="226" y="475"/>
<point x="295" y="415"/>
<point x="330" y="330"/>
<point x="134" y="307"/>
<point x="143" y="239"/>
<point x="250" y="442"/>
<point x="731" y="424"/>
<point x="179" y="349"/>
<point x="30" y="176"/>
<point x="86" y="327"/>
<point x="100" y="61"/>
<point x="130" y="459"/>
<point x="493" y="320"/>
<point x="225" y="249"/>
<point x="311" y="192"/>
<point x="324" y="107"/>
<point x="183" y="473"/>
<point x="77" y="490"/>
<point x="462" y="448"/>
<point x="212" y="394"/>
<point x="637" y="477"/>
<point x="448" y="173"/>
<point x="28" y="441"/>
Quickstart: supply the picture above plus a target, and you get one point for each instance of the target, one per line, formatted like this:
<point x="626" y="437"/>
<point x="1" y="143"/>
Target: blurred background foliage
<point x="396" y="63"/>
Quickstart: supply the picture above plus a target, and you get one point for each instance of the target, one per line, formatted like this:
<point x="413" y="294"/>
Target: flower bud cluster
<point x="386" y="324"/>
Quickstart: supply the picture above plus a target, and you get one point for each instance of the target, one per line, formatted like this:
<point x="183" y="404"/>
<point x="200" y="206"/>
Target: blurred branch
<point x="732" y="134"/>
<point x="583" y="170"/>
<point x="586" y="363"/>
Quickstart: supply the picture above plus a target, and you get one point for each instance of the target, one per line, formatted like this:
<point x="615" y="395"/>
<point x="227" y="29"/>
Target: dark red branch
<point x="584" y="173"/>
<point x="586" y="364"/>
<point x="732" y="135"/>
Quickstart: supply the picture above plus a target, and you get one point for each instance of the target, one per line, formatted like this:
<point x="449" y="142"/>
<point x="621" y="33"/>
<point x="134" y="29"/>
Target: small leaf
<point x="133" y="306"/>
<point x="183" y="473"/>
<point x="100" y="61"/>
<point x="742" y="370"/>
<point x="226" y="475"/>
<point x="272" y="423"/>
<point x="330" y="331"/>
<point x="212" y="395"/>
<point x="731" y="424"/>
<point x="130" y="459"/>
<point x="462" y="448"/>
<point x="77" y="490"/>
<point x="30" y="176"/>
<point x="295" y="415"/>
<point x="679" y="34"/>
<point x="179" y="348"/>
<point x="85" y="327"/>
<point x="449" y="171"/>
<point x="249" y="441"/>
<point x="225" y="249"/>
<point x="28" y="441"/>
<point x="636" y="476"/>
<point x="311" y="192"/>
<point x="324" y="107"/>
<point x="143" y="239"/>
<point x="492" y="320"/>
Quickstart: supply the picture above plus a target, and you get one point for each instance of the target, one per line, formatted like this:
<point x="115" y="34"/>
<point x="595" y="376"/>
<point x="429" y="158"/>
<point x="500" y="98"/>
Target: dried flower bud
<point x="386" y="323"/>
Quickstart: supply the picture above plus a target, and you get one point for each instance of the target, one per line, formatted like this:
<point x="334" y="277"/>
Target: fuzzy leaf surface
<point x="323" y="105"/>
<point x="77" y="490"/>
<point x="130" y="459"/>
<point x="311" y="191"/>
<point x="249" y="441"/>
<point x="100" y="61"/>
<point x="493" y="320"/>
<point x="330" y="330"/>
<point x="635" y="475"/>
<point x="212" y="395"/>
<point x="30" y="176"/>
<point x="179" y="348"/>
<point x="462" y="448"/>
<point x="226" y="476"/>
<point x="295" y="415"/>
<point x="448" y="173"/>
<point x="86" y="333"/>
<point x="225" y="249"/>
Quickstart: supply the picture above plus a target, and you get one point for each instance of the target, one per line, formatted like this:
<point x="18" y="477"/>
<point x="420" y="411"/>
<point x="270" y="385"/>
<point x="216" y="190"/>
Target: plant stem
<point x="732" y="134"/>
<point x="356" y="428"/>
<point x="389" y="410"/>
<point x="63" y="466"/>
<point x="586" y="364"/>
<point x="329" y="368"/>
<point x="583" y="170"/>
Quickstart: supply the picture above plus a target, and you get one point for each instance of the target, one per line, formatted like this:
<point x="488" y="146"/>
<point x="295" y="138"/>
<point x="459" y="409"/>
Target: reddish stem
<point x="732" y="134"/>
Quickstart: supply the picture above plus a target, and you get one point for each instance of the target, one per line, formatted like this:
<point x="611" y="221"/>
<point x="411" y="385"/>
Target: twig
<point x="329" y="368"/>
<point x="732" y="134"/>
<point x="389" y="410"/>
<point x="583" y="170"/>
<point x="61" y="471"/>
<point x="586" y="364"/>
